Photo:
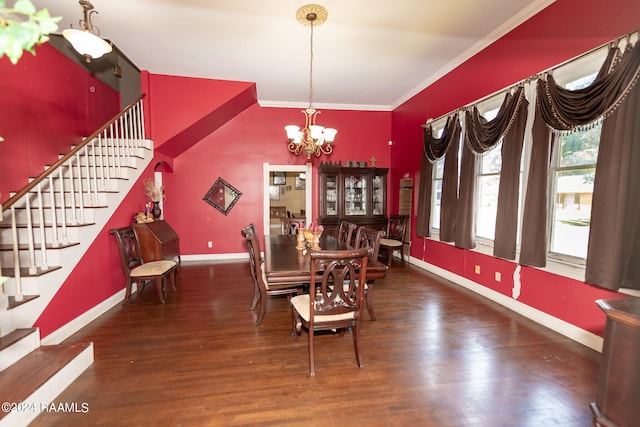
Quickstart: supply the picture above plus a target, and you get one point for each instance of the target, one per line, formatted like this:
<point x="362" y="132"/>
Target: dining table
<point x="284" y="264"/>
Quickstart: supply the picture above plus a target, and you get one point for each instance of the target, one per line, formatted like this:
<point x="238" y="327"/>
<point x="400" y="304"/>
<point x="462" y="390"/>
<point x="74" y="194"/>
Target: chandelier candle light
<point x="87" y="41"/>
<point x="312" y="139"/>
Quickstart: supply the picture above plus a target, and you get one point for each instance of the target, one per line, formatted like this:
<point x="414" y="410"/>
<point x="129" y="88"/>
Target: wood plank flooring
<point x="438" y="355"/>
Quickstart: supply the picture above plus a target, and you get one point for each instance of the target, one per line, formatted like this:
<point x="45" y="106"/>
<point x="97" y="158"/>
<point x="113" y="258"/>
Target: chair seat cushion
<point x="153" y="268"/>
<point x="264" y="275"/>
<point x="301" y="304"/>
<point x="390" y="243"/>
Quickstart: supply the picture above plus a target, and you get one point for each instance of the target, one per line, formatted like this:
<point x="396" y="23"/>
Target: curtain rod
<point x="535" y="76"/>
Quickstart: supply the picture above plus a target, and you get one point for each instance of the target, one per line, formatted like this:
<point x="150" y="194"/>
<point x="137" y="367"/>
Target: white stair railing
<point x="86" y="171"/>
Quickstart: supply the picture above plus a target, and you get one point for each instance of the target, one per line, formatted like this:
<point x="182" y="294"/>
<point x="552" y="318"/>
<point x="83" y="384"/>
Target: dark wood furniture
<point x="138" y="271"/>
<point x="394" y="240"/>
<point x="158" y="241"/>
<point x="336" y="302"/>
<point x="357" y="195"/>
<point x="262" y="287"/>
<point x="284" y="264"/>
<point x="345" y="232"/>
<point x="619" y="382"/>
<point x="369" y="238"/>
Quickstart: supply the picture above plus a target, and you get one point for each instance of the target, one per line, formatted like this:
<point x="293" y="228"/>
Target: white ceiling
<point x="370" y="54"/>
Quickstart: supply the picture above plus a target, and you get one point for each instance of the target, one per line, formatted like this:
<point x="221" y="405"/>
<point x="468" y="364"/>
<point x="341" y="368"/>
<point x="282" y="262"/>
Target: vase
<point x="156" y="211"/>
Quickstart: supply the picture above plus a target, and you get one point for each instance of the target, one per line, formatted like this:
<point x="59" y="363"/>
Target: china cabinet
<point x="354" y="194"/>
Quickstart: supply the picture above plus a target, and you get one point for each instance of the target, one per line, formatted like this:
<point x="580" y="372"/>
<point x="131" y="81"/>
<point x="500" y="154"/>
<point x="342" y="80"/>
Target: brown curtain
<point x="506" y="235"/>
<point x="465" y="231"/>
<point x="481" y="136"/>
<point x="533" y="245"/>
<point x="613" y="257"/>
<point x="423" y="228"/>
<point x="611" y="249"/>
<point x="433" y="149"/>
<point x="449" y="200"/>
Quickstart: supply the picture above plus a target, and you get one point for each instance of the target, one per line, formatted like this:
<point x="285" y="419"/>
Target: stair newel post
<point x="44" y="264"/>
<point x="54" y="220"/>
<point x="63" y="208"/>
<point x="80" y="196"/>
<point x="30" y="244"/>
<point x="16" y="256"/>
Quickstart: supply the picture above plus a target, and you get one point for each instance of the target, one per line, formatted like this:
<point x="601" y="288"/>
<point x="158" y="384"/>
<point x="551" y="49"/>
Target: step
<point x="25" y="299"/>
<point x="16" y="344"/>
<point x="39" y="377"/>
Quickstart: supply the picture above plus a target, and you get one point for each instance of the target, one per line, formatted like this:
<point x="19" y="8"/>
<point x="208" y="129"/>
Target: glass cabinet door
<point x="379" y="187"/>
<point x="331" y="195"/>
<point x="355" y="195"/>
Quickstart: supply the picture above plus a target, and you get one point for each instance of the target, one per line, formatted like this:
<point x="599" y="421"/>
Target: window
<point x="573" y="171"/>
<point x="488" y="178"/>
<point x="436" y="191"/>
<point x="487" y="195"/>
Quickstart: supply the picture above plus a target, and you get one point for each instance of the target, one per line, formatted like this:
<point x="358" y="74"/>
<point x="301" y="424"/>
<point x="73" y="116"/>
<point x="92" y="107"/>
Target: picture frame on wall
<point x="279" y="178"/>
<point x="274" y="192"/>
<point x="300" y="184"/>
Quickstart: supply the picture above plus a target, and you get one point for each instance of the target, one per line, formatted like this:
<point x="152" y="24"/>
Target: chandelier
<point x="313" y="138"/>
<point x="86" y="41"/>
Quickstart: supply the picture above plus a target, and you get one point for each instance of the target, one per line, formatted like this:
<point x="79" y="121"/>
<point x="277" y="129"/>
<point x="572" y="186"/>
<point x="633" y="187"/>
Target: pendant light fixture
<point x="313" y="138"/>
<point x="87" y="41"/>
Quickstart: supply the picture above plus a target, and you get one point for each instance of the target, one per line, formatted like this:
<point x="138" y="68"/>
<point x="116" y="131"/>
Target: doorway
<point x="285" y="176"/>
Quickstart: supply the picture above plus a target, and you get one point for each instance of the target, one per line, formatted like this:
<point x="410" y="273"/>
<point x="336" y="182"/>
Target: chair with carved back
<point x="290" y="225"/>
<point x="345" y="232"/>
<point x="262" y="288"/>
<point x="394" y="240"/>
<point x="137" y="271"/>
<point x="329" y="307"/>
<point x="369" y="238"/>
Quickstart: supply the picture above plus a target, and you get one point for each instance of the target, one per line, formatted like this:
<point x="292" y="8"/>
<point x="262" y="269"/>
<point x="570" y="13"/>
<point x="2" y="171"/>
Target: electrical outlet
<point x="209" y="244"/>
<point x="498" y="276"/>
<point x="477" y="270"/>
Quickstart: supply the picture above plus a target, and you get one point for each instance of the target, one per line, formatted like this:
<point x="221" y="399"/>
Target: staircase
<point x="45" y="229"/>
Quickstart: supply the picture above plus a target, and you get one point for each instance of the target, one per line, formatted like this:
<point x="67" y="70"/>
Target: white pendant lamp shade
<point x="86" y="43"/>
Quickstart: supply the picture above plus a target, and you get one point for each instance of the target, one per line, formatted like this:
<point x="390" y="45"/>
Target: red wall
<point x="47" y="104"/>
<point x="562" y="31"/>
<point x="237" y="150"/>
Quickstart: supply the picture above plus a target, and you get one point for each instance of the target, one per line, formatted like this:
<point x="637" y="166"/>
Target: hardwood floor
<point x="438" y="355"/>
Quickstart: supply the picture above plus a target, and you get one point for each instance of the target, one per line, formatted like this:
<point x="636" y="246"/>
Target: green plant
<point x="22" y="27"/>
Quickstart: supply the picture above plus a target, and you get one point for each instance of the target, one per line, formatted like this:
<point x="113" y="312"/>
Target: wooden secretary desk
<point x="158" y="241"/>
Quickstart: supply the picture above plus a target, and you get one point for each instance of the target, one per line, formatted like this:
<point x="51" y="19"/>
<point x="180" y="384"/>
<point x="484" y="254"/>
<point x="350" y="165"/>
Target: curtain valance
<point x="564" y="109"/>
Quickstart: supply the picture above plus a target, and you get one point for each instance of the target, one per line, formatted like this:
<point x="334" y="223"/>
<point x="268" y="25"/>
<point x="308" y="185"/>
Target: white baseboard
<point x="64" y="332"/>
<point x="216" y="257"/>
<point x="579" y="335"/>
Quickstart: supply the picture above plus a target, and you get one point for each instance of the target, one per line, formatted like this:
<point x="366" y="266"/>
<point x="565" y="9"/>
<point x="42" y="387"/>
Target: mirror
<point x="222" y="196"/>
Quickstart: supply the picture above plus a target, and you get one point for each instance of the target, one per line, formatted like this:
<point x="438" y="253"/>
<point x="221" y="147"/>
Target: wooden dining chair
<point x="369" y="238"/>
<point x="262" y="288"/>
<point x="329" y="307"/>
<point x="394" y="240"/>
<point x="137" y="271"/>
<point x="290" y="225"/>
<point x="345" y="232"/>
